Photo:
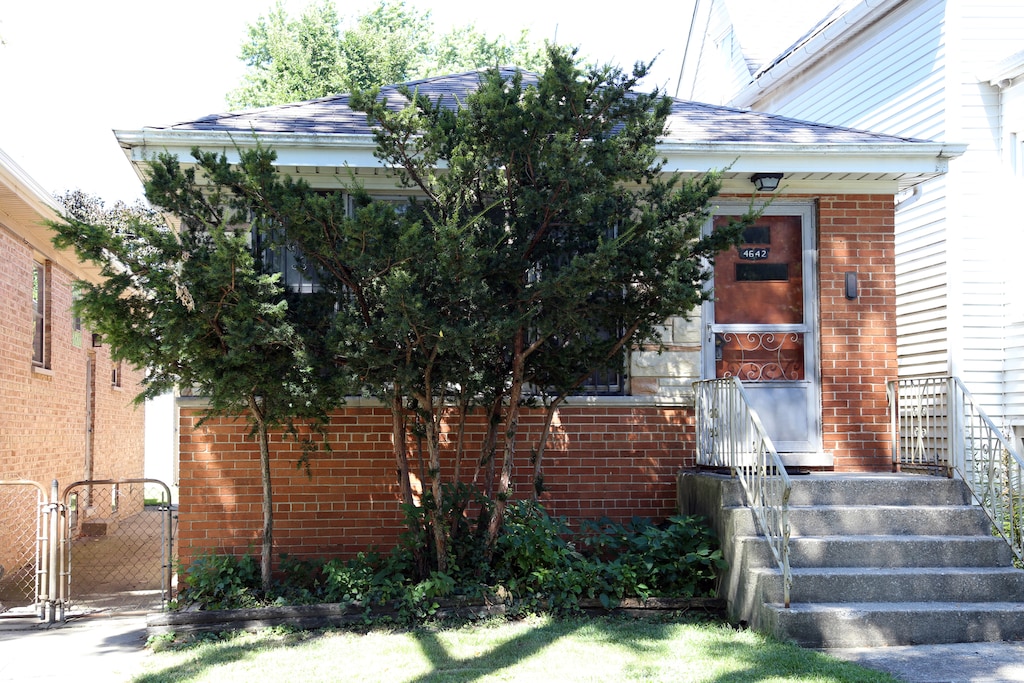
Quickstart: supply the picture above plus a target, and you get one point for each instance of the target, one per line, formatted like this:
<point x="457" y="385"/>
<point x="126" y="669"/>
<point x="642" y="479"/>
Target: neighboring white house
<point x="944" y="70"/>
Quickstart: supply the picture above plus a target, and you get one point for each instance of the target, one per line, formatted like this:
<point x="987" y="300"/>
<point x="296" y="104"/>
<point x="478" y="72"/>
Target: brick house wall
<point x="607" y="457"/>
<point x="43" y="412"/>
<point x="614" y="461"/>
<point x="858" y="337"/>
<point x="43" y="430"/>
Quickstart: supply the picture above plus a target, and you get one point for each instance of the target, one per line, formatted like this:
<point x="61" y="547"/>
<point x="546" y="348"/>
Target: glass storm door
<point x="762" y="325"/>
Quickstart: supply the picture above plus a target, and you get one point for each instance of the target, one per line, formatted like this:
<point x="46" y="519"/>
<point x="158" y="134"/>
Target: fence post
<point x="51" y="562"/>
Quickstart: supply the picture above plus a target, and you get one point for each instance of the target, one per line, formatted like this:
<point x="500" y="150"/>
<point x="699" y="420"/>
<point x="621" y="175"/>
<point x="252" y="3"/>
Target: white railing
<point x="937" y="424"/>
<point x="730" y="435"/>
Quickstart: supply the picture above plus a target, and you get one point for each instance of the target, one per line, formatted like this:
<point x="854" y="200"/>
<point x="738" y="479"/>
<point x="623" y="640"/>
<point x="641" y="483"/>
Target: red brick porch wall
<point x="618" y="462"/>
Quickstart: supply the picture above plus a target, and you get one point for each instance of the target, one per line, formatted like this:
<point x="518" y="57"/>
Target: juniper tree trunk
<point x="267" y="551"/>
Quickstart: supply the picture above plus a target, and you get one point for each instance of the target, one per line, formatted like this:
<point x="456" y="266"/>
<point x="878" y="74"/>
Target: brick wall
<point x="43" y="413"/>
<point x="604" y="459"/>
<point x="610" y="461"/>
<point x="858" y="337"/>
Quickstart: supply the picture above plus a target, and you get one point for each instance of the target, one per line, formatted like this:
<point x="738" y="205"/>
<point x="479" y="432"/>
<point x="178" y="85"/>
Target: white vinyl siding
<point x="990" y="220"/>
<point x="716" y="64"/>
<point x="922" y="282"/>
<point x="1012" y="163"/>
<point x="889" y="80"/>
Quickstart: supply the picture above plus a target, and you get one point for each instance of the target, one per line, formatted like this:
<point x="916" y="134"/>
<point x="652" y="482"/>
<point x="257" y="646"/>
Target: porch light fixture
<point x="766" y="182"/>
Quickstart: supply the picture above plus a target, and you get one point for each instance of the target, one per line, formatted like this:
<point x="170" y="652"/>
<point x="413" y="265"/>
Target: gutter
<point x="815" y="47"/>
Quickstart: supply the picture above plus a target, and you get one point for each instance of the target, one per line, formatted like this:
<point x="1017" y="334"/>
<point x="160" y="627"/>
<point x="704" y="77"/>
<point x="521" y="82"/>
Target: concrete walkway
<point x="955" y="663"/>
<point x="33" y="652"/>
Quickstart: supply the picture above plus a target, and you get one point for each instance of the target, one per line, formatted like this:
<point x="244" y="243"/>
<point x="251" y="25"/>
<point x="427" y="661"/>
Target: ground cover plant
<point x="538" y="565"/>
<point x="532" y="649"/>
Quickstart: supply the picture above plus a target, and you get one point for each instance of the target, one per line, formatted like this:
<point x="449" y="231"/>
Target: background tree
<point x="197" y="308"/>
<point x="290" y="60"/>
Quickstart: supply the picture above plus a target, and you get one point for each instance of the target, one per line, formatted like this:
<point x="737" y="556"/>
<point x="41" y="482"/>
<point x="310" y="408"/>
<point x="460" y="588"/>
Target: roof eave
<point x="28" y="213"/>
<point x="882" y="166"/>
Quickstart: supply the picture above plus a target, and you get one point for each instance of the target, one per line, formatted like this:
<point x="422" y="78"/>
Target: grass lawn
<point x="535" y="649"/>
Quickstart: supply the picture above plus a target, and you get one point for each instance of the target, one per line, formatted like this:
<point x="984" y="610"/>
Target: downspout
<point x="90" y="432"/>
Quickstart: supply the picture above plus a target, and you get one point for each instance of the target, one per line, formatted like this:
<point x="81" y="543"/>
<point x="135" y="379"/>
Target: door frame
<point x="798" y="454"/>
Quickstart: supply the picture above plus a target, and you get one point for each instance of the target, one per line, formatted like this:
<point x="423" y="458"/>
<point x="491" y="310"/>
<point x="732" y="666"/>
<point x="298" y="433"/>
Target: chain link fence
<point x="98" y="546"/>
<point x="118" y="550"/>
<point x="23" y="537"/>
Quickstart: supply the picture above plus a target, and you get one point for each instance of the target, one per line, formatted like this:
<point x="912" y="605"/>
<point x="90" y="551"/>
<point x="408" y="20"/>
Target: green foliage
<point x="535" y="563"/>
<point x="291" y="59"/>
<point x="120" y="217"/>
<point x="551" y="244"/>
<point x="539" y="565"/>
<point x="679" y="557"/>
<point x="546" y="566"/>
<point x="198" y="308"/>
<point x="219" y="581"/>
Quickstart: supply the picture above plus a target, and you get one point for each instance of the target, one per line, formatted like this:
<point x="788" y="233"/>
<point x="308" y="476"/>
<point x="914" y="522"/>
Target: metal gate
<point x="27" y="525"/>
<point x="117" y="545"/>
<point x="100" y="545"/>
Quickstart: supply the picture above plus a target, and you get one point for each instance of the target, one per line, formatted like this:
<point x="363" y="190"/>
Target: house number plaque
<point x="754" y="253"/>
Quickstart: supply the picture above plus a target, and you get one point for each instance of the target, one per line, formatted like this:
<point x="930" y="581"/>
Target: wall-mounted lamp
<point x="851" y="285"/>
<point x="766" y="182"/>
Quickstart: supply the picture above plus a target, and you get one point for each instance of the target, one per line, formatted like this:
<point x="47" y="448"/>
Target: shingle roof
<point x="689" y="122"/>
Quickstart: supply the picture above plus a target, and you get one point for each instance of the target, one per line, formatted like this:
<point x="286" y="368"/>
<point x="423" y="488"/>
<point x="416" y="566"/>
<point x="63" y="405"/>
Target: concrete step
<point x="861" y="489"/>
<point x="877" y="489"/>
<point x="878" y="560"/>
<point x="883" y="520"/>
<point x="877" y="624"/>
<point x="882" y="551"/>
<point x="901" y="584"/>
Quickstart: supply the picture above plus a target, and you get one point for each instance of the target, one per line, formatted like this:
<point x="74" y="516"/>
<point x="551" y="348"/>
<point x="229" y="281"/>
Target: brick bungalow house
<point x="818" y="269"/>
<point x="66" y="410"/>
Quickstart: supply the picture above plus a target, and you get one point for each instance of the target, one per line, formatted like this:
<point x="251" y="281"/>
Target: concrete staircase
<point x="877" y="560"/>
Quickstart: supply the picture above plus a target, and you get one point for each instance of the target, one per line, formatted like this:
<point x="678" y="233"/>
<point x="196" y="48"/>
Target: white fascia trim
<point x="357" y="151"/>
<point x="293" y="149"/>
<point x="817" y="46"/>
<point x="911" y="157"/>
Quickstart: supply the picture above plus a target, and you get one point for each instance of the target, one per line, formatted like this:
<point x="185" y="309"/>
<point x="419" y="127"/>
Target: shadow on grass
<point x="714" y="654"/>
<point x="652" y="641"/>
<point x="208" y="659"/>
<point x="510" y="653"/>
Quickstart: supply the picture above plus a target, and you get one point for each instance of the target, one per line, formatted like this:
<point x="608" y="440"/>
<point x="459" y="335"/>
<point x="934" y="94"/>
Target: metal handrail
<point x="730" y="434"/>
<point x="937" y="423"/>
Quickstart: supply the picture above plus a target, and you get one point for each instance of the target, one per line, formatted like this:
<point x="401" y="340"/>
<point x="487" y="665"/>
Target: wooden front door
<point x="762" y="326"/>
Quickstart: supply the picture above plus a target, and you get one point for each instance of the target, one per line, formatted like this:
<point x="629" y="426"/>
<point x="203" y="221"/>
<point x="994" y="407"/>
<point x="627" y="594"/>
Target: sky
<point x="72" y="71"/>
